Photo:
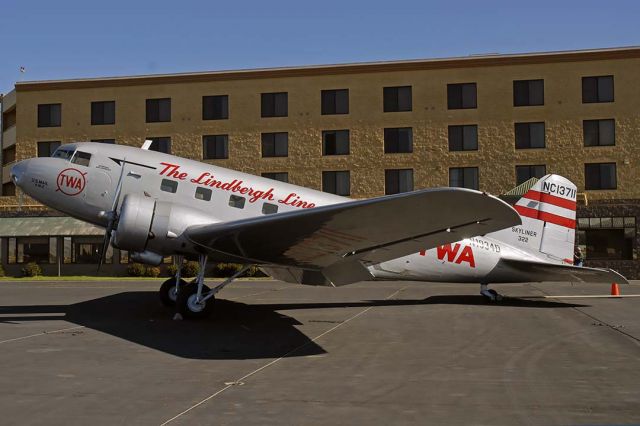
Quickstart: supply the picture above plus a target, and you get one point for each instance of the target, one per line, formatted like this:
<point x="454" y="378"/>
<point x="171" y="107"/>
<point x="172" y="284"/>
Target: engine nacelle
<point x="134" y="223"/>
<point x="155" y="228"/>
<point x="147" y="257"/>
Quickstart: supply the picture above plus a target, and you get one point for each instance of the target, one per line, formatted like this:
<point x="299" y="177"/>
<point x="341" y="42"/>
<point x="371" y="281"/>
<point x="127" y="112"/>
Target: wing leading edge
<point x="340" y="240"/>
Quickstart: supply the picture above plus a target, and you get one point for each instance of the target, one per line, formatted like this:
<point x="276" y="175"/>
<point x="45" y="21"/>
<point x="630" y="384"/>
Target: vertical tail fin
<point x="548" y="212"/>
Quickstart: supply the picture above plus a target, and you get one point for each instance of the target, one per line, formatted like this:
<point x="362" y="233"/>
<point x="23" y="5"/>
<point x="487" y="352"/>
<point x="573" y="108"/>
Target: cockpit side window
<point x="81" y="158"/>
<point x="65" y="154"/>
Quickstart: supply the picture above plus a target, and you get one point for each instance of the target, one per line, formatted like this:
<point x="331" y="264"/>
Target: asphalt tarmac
<point x="280" y="354"/>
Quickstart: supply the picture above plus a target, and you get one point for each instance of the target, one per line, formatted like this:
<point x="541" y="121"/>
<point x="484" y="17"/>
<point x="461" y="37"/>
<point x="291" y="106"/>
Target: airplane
<point x="154" y="205"/>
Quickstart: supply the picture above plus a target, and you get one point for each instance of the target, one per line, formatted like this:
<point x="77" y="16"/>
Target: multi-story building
<point x="362" y="130"/>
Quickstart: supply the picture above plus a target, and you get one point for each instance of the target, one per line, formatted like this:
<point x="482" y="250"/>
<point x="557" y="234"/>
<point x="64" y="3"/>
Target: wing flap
<point x="353" y="234"/>
<point x="514" y="270"/>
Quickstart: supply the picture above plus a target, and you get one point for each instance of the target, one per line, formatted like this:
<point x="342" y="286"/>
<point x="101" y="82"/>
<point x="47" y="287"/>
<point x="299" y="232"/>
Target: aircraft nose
<point x="19" y="171"/>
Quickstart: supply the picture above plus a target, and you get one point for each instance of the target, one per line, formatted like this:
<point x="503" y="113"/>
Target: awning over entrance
<point x="46" y="226"/>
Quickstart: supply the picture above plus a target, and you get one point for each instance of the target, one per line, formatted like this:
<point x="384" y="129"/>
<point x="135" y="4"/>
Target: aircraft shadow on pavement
<point x="235" y="331"/>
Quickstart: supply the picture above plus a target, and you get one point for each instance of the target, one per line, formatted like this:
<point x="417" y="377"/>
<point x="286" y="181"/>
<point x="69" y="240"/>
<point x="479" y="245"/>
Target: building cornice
<point x="338" y="69"/>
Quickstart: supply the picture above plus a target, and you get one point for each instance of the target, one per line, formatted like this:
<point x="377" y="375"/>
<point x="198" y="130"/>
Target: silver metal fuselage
<point x="86" y="192"/>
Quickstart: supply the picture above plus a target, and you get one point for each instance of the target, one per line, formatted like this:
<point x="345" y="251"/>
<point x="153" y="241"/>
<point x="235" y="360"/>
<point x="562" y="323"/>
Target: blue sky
<point x="69" y="39"/>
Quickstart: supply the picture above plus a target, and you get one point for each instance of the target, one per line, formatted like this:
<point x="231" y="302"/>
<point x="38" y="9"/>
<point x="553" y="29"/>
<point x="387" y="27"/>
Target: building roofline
<point x="332" y="69"/>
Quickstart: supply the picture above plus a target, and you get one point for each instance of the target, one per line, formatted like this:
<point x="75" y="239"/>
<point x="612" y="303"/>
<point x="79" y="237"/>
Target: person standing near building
<point x="578" y="259"/>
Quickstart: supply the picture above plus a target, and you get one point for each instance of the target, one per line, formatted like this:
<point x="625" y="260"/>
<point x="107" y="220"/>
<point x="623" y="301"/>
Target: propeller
<point x="112" y="216"/>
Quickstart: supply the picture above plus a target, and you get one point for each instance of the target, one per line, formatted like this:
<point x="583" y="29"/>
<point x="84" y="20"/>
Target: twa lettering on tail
<point x="451" y="253"/>
<point x="71" y="182"/>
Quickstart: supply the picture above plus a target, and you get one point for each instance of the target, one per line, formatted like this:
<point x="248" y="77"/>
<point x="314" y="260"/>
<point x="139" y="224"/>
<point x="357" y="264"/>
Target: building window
<point x="337" y="182"/>
<point x="275" y="104"/>
<point x="32" y="249"/>
<point x="600" y="176"/>
<point x="158" y="110"/>
<point x="463" y="138"/>
<point x="237" y="201"/>
<point x="524" y="173"/>
<point x="9" y="155"/>
<point x="215" y="147"/>
<point x="8" y="189"/>
<point x="397" y="99"/>
<point x="528" y="92"/>
<point x="103" y="112"/>
<point x="279" y="176"/>
<point x="105" y="141"/>
<point x="398" y="140"/>
<point x="335" y="142"/>
<point x="169" y="186"/>
<point x="49" y="115"/>
<point x="215" y="107"/>
<point x="607" y="238"/>
<point x="203" y="193"/>
<point x="275" y="144"/>
<point x="599" y="132"/>
<point x="464" y="177"/>
<point x="335" y="101"/>
<point x="462" y="96"/>
<point x="398" y="180"/>
<point x="597" y="89"/>
<point x="268" y="208"/>
<point x="529" y="135"/>
<point x="87" y="250"/>
<point x="160" y="144"/>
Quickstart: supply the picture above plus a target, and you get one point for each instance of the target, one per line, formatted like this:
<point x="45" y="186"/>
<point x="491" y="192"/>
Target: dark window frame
<point x="218" y="153"/>
<point x="334" y="101"/>
<point x="103" y="113"/>
<point x="456" y="96"/>
<point x="393" y="181"/>
<point x="270" y="107"/>
<point x="522" y="92"/>
<point x="591" y="86"/>
<point x="274" y="151"/>
<point x="157" y="141"/>
<point x="530" y="174"/>
<point x="590" y="183"/>
<point x="48" y="144"/>
<point x="459" y="130"/>
<point x="276" y="176"/>
<point x="523" y="135"/>
<point x="598" y="132"/>
<point x="47" y="115"/>
<point x="464" y="177"/>
<point x="397" y="99"/>
<point x="393" y="143"/>
<point x="330" y="179"/>
<point x="338" y="144"/>
<point x="155" y="112"/>
<point x="213" y="111"/>
<point x="105" y="141"/>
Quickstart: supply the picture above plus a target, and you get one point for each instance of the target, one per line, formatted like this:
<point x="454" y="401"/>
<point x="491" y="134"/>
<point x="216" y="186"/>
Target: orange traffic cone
<point x="615" y="291"/>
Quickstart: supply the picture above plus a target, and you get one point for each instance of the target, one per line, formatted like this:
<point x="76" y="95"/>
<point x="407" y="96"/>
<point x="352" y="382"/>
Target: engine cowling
<point x="156" y="227"/>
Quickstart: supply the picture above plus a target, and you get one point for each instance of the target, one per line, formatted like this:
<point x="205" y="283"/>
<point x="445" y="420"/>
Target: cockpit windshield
<point x="63" y="153"/>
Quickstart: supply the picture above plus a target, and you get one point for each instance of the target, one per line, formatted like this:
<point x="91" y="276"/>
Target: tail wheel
<point x="168" y="294"/>
<point x="187" y="304"/>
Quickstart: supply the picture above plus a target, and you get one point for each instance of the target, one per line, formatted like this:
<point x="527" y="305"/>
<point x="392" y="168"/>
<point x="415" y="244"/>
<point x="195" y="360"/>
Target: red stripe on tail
<point x="550" y="199"/>
<point x="546" y="217"/>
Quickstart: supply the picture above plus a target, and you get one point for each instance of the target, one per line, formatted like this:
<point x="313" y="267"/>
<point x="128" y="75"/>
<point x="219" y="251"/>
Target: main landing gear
<point x="195" y="300"/>
<point x="489" y="293"/>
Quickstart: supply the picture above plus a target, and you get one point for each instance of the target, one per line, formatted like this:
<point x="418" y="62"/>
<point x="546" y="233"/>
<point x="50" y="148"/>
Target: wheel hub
<point x="194" y="305"/>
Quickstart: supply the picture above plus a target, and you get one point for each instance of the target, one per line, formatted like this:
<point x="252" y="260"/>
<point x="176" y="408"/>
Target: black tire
<point x="167" y="294"/>
<point x="185" y="303"/>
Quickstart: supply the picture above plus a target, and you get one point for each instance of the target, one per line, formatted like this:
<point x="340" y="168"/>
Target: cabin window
<point x="237" y="201"/>
<point x="169" y="186"/>
<point x="203" y="193"/>
<point x="268" y="208"/>
<point x="81" y="158"/>
<point x="65" y="154"/>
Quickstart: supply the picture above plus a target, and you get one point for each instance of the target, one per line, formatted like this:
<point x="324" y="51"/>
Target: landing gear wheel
<point x="168" y="293"/>
<point x="496" y="296"/>
<point x="188" y="307"/>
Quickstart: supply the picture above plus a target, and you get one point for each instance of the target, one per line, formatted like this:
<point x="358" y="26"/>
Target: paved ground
<point x="371" y="353"/>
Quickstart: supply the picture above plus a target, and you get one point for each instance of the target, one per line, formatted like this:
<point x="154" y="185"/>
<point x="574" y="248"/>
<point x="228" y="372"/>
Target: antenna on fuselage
<point x="147" y="144"/>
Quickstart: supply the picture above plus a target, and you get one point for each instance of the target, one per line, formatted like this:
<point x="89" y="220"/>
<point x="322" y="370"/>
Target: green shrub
<point x="190" y="269"/>
<point x="136" y="270"/>
<point x="152" y="271"/>
<point x="1" y="271"/>
<point x="31" y="269"/>
<point x="171" y="270"/>
<point x="225" y="269"/>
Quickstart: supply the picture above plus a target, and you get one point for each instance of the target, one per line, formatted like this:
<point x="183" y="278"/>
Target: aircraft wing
<point x="338" y="241"/>
<point x="524" y="270"/>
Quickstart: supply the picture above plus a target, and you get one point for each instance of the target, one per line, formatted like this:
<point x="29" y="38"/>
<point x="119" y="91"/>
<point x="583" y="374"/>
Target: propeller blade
<point x="113" y="216"/>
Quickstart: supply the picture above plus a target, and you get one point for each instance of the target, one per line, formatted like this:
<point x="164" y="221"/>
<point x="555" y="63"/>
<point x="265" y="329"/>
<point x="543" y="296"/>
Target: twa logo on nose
<point x="71" y="182"/>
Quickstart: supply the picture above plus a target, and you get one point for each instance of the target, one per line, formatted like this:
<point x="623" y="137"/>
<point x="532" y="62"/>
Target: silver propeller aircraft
<point x="155" y="205"/>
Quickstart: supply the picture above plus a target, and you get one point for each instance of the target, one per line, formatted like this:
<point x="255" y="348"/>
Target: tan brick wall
<point x="562" y="112"/>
